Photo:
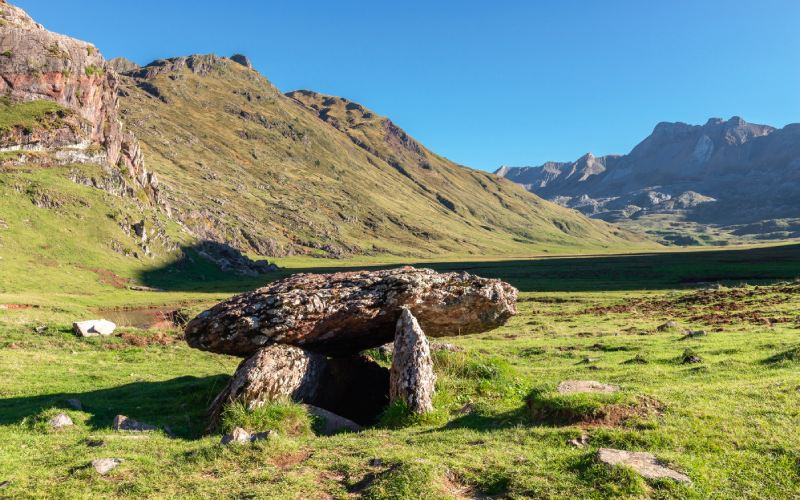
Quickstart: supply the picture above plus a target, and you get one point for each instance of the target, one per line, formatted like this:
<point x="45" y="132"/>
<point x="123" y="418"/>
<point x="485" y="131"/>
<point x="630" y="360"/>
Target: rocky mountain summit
<point x="36" y="64"/>
<point x="686" y="183"/>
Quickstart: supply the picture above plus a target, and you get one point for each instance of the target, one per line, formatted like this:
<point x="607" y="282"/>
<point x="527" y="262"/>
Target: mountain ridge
<point x="728" y="175"/>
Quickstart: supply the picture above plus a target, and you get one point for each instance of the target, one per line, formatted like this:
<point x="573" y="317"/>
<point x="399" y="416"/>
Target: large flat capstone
<point x="342" y="314"/>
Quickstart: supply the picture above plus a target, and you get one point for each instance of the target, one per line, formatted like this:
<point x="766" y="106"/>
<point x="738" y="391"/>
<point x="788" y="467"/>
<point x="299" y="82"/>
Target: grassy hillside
<point x="240" y="162"/>
<point x="728" y="422"/>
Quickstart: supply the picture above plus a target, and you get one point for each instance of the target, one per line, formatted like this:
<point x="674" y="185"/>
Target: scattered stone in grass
<point x="40" y="329"/>
<point x="4" y="484"/>
<point x="95" y="443"/>
<point x="576" y="386"/>
<point x="468" y="408"/>
<point x="123" y="423"/>
<point x="332" y="423"/>
<point x="94" y="328"/>
<point x="105" y="465"/>
<point x="241" y="436"/>
<point x="690" y="357"/>
<point x="645" y="464"/>
<point x="581" y="441"/>
<point x="75" y="404"/>
<point x="588" y="360"/>
<point x="237" y="436"/>
<point x="690" y="334"/>
<point x="376" y="462"/>
<point x="60" y="421"/>
<point x="636" y="360"/>
<point x="669" y="326"/>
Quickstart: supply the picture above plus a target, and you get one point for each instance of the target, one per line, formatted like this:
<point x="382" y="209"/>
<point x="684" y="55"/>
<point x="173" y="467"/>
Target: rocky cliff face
<point x="36" y="64"/>
<point x="739" y="178"/>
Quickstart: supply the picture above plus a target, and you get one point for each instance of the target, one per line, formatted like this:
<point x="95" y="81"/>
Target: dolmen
<point x="303" y="337"/>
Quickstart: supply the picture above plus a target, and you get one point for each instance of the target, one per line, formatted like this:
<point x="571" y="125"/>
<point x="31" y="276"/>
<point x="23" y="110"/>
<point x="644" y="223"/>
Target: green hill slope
<point x="241" y="163"/>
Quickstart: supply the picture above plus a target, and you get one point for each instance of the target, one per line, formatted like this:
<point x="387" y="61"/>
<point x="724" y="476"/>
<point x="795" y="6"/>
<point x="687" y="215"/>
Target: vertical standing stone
<point x="411" y="378"/>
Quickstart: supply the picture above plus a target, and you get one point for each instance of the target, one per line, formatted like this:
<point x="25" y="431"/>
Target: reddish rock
<point x="36" y="64"/>
<point x="344" y="313"/>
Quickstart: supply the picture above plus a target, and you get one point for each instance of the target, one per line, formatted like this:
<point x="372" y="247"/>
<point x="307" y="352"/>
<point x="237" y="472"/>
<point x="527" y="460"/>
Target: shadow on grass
<point x="178" y="404"/>
<point x="684" y="269"/>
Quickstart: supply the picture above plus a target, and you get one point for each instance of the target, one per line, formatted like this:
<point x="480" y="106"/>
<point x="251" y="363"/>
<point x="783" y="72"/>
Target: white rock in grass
<point x="237" y="436"/>
<point x="94" y="328"/>
<point x="105" y="465"/>
<point x="60" y="421"/>
<point x="645" y="464"/>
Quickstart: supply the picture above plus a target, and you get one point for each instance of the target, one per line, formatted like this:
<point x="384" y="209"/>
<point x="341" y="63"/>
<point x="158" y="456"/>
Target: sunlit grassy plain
<point x="728" y="422"/>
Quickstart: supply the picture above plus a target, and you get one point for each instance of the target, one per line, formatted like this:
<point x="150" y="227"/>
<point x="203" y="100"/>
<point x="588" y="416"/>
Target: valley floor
<point x="728" y="421"/>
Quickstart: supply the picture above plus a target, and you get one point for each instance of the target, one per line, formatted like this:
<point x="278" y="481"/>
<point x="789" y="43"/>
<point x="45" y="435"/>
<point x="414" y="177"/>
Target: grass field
<point x="729" y="422"/>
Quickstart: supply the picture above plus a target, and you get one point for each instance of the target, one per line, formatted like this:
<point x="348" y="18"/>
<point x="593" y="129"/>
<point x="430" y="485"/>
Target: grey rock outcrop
<point x="60" y="421"/>
<point x="94" y="328"/>
<point x="411" y="378"/>
<point x="243" y="60"/>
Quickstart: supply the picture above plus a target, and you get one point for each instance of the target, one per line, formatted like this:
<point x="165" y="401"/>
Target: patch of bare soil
<point x="288" y="460"/>
<point x="108" y="277"/>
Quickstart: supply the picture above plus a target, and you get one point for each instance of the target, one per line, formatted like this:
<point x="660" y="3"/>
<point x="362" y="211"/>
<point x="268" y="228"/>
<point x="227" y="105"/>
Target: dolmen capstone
<point x="302" y="337"/>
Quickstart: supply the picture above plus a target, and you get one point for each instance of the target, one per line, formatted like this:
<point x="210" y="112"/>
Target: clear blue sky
<point x="486" y="82"/>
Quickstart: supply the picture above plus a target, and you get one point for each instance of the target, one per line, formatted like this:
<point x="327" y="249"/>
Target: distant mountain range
<point x="686" y="184"/>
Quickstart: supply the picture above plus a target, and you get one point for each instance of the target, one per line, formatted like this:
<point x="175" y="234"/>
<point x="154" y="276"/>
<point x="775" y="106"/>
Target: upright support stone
<point x="411" y="378"/>
<point x="273" y="372"/>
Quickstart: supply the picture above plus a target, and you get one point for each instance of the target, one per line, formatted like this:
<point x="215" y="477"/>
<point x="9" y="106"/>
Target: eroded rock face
<point x="344" y="313"/>
<point x="36" y="64"/>
<point x="411" y="378"/>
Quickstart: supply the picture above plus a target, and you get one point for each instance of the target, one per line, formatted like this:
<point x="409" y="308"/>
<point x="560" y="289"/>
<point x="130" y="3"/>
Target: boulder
<point x="105" y="465"/>
<point x="645" y="464"/>
<point x="60" y="421"/>
<point x="343" y="314"/>
<point x="576" y="386"/>
<point x="94" y="328"/>
<point x="411" y="378"/>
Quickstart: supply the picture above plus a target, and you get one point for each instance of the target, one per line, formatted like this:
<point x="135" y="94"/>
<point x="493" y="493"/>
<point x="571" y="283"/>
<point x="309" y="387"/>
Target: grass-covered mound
<point x="548" y="406"/>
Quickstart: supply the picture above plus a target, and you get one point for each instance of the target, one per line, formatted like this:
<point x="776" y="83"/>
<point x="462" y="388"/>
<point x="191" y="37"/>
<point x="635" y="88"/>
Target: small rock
<point x="376" y="462"/>
<point x="237" y="436"/>
<point x="105" y="465"/>
<point x="40" y="329"/>
<point x="260" y="436"/>
<point x="577" y="386"/>
<point x="123" y="423"/>
<point x="243" y="60"/>
<point x="637" y="360"/>
<point x="331" y="422"/>
<point x="468" y="408"/>
<point x="94" y="327"/>
<point x="669" y="326"/>
<point x="60" y="421"/>
<point x="579" y="442"/>
<point x="587" y="360"/>
<point x="694" y="333"/>
<point x="75" y="404"/>
<point x="645" y="464"/>
<point x="95" y="443"/>
<point x="690" y="357"/>
<point x="5" y="484"/>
